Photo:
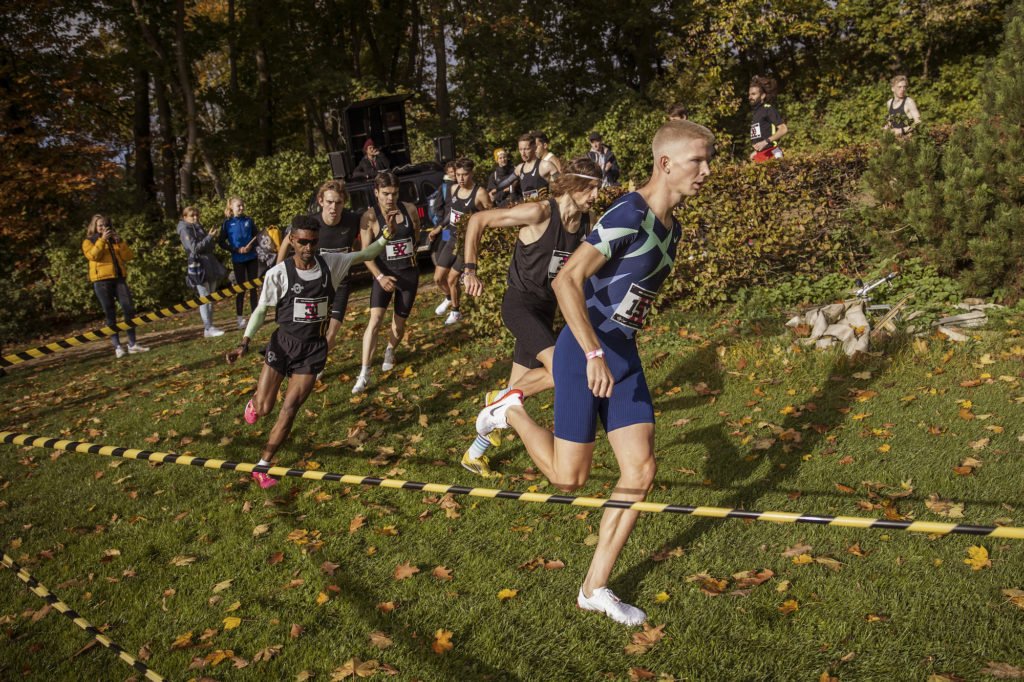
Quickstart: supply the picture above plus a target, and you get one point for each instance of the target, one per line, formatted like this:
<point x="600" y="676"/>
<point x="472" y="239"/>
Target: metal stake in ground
<point x="40" y="590"/>
<point x="931" y="527"/>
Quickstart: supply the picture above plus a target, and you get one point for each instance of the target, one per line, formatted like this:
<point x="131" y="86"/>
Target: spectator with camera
<point x="204" y="271"/>
<point x="108" y="255"/>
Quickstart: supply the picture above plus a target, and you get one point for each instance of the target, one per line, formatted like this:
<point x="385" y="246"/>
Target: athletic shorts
<point x="404" y="293"/>
<point x="287" y="355"/>
<point x="341" y="296"/>
<point x="768" y="154"/>
<point x="444" y="256"/>
<point x="531" y="321"/>
<point x="576" y="408"/>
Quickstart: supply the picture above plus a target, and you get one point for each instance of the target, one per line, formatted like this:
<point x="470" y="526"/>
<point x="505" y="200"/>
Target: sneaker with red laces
<point x="265" y="480"/>
<point x="250" y="415"/>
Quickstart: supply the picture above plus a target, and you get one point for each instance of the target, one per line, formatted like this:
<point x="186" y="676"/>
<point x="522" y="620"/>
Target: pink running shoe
<point x="251" y="416"/>
<point x="264" y="480"/>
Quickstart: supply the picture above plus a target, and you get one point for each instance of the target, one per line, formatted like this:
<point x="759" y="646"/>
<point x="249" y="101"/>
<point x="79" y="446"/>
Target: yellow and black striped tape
<point x="137" y="321"/>
<point x="931" y="527"/>
<point x="41" y="590"/>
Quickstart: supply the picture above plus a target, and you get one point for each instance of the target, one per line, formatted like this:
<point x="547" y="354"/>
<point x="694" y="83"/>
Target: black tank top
<point x="534" y="265"/>
<point x="338" y="238"/>
<point x="897" y="117"/>
<point x="305" y="310"/>
<point x="400" y="251"/>
<point x="460" y="207"/>
<point x="531" y="183"/>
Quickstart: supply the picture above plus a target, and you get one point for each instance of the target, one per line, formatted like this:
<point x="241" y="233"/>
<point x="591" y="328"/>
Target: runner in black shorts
<point x="534" y="174"/>
<point x="302" y="290"/>
<point x="549" y="232"/>
<point x="467" y="197"/>
<point x="339" y="231"/>
<point x="395" y="271"/>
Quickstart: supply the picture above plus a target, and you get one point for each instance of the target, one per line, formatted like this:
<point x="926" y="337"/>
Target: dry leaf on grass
<point x="380" y="639"/>
<point x="977" y="558"/>
<point x="354" y="668"/>
<point x="643" y="641"/>
<point x="405" y="570"/>
<point x="442" y="642"/>
<point x="1003" y="671"/>
<point x="507" y="593"/>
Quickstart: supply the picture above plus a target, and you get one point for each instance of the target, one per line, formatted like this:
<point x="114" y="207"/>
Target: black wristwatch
<point x="469" y="266"/>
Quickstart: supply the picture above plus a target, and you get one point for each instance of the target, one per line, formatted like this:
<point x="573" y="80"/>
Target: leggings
<point x="107" y="290"/>
<point x="243" y="273"/>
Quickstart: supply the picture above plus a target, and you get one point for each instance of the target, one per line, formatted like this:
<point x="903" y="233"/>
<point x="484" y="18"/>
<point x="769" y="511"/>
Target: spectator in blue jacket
<point x="238" y="235"/>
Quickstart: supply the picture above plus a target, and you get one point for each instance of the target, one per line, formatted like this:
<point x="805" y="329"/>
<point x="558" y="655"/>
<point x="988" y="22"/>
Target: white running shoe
<point x="119" y="352"/>
<point x="362" y="381"/>
<point x="453" y="317"/>
<point x="242" y="322"/>
<point x="443" y="307"/>
<point x="604" y="601"/>
<point x="137" y="348"/>
<point x="213" y="331"/>
<point x="389" y="360"/>
<point x="494" y="416"/>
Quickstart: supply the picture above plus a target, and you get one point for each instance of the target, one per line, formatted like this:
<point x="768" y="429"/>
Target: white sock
<point x="479" y="447"/>
<point x="263" y="463"/>
<point x="364" y="371"/>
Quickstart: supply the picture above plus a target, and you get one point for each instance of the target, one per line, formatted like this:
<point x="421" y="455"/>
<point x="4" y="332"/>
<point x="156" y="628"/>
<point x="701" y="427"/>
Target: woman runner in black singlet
<point x="549" y="232"/>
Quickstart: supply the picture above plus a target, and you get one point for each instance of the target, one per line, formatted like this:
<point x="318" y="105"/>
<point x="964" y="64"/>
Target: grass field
<point x="207" y="576"/>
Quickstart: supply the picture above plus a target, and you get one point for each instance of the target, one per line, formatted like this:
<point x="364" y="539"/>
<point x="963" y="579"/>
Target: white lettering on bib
<point x="398" y="249"/>
<point x="310" y="309"/>
<point x="558" y="259"/>
<point x="633" y="309"/>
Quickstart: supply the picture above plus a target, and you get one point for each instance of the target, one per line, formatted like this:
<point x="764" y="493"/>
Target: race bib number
<point x="633" y="309"/>
<point x="455" y="217"/>
<point x="310" y="310"/>
<point x="558" y="259"/>
<point x="340" y="249"/>
<point x="755" y="132"/>
<point x="398" y="249"/>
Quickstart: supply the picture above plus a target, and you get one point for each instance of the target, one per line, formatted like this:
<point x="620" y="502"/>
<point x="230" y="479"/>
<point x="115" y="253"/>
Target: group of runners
<point x="602" y="275"/>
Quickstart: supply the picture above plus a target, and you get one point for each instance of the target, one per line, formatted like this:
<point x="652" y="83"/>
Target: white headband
<point x="587" y="177"/>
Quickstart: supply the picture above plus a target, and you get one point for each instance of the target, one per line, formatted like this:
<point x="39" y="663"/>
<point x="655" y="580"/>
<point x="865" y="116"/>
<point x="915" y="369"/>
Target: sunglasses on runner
<point x="307" y="242"/>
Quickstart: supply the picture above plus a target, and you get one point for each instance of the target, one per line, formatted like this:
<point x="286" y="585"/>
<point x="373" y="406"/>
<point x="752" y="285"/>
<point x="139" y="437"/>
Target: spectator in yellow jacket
<point x="107" y="254"/>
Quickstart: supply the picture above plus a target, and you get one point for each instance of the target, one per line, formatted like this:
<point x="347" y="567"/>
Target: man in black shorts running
<point x="549" y="232"/>
<point x="301" y="289"/>
<point x="466" y="198"/>
<point x="339" y="230"/>
<point x="395" y="272"/>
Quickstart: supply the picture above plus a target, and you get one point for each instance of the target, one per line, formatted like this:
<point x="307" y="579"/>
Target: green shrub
<point x="156" y="275"/>
<point x="274" y="189"/>
<point x="956" y="199"/>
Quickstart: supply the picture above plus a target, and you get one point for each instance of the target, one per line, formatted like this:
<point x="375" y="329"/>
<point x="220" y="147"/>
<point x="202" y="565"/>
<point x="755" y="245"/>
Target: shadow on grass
<point x="725" y="465"/>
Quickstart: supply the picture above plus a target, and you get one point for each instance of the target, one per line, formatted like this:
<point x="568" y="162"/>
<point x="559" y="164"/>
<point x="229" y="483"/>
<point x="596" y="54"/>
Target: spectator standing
<point x="204" y="269"/>
<point x="602" y="155"/>
<point x="108" y="254"/>
<point x="373" y="161"/>
<point x="238" y="235"/>
<point x="503" y="168"/>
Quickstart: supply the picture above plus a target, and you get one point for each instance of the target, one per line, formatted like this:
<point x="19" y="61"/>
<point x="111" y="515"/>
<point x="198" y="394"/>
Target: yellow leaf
<point x="884" y="447"/>
<point x="861" y="416"/>
<point x="182" y="641"/>
<point x="234" y="607"/>
<point x="232" y="622"/>
<point x="322" y="599"/>
<point x="977" y="558"/>
<point x="789" y="606"/>
<point x="801" y="559"/>
<point x="661" y="598"/>
<point x="222" y="585"/>
<point x="408" y="372"/>
<point x="787" y="410"/>
<point x="442" y="642"/>
<point x="507" y="593"/>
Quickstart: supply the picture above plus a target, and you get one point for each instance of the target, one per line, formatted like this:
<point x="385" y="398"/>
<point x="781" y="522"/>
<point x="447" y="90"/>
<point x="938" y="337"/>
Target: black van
<point x="383" y="119"/>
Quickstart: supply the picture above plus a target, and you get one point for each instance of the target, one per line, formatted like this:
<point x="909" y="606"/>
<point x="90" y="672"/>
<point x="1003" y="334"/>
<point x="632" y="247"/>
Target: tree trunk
<point x="232" y="53"/>
<point x="441" y="68"/>
<point x="145" y="183"/>
<point x="168" y="166"/>
<point x="264" y="94"/>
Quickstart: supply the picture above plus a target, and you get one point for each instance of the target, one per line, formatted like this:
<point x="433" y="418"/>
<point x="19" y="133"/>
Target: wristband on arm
<point x="597" y="353"/>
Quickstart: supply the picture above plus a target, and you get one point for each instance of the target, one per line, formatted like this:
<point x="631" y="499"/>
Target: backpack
<point x="436" y="203"/>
